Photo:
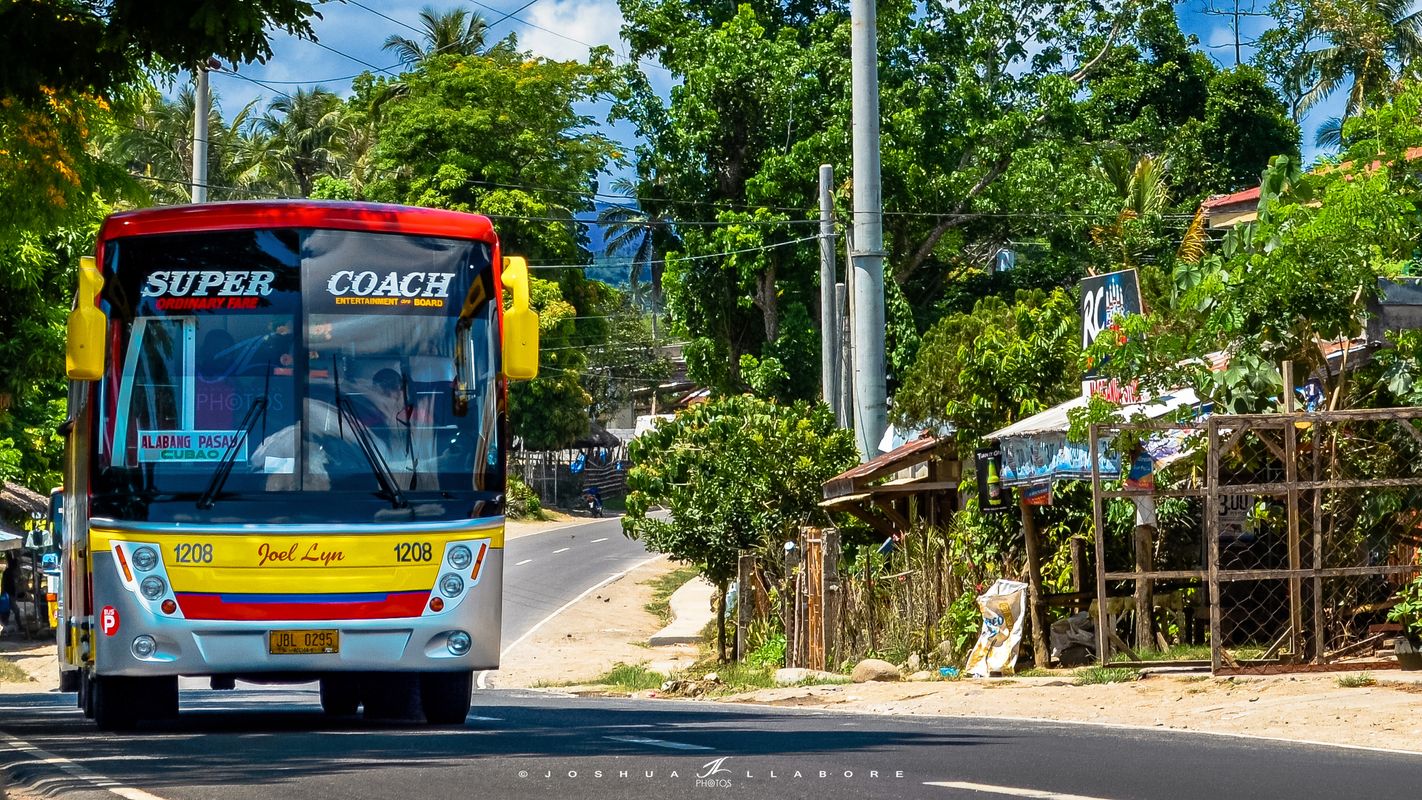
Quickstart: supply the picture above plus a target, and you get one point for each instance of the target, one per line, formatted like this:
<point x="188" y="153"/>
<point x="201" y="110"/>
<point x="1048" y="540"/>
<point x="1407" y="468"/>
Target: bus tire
<point x="446" y="696"/>
<point x="340" y="695"/>
<point x="120" y="703"/>
<point x="85" y="699"/>
<point x="391" y="696"/>
<point x="69" y="681"/>
<point x="113" y="701"/>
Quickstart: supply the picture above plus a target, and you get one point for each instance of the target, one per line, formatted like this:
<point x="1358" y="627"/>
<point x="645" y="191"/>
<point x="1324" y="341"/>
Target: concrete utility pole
<point x="202" y="104"/>
<point x="844" y="411"/>
<point x="829" y="309"/>
<point x="867" y="256"/>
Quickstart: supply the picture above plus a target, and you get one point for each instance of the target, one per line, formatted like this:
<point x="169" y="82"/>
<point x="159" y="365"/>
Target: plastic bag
<point x="1003" y="606"/>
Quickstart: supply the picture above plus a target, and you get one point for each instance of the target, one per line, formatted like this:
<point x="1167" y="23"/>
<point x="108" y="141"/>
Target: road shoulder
<point x="610" y="626"/>
<point x="1312" y="708"/>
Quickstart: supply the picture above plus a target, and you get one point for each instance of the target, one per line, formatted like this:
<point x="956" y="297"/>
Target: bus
<point x="286" y="455"/>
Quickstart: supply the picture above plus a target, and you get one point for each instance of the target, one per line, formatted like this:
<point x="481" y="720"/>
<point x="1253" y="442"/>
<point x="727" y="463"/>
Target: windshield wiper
<point x="229" y="458"/>
<point x="381" y="470"/>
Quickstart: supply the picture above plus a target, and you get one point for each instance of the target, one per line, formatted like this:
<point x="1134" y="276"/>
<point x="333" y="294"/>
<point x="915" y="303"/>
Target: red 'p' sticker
<point x="109" y="620"/>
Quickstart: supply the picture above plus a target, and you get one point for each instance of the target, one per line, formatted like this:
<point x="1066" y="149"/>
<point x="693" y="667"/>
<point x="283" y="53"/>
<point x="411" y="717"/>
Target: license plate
<point x="302" y="643"/>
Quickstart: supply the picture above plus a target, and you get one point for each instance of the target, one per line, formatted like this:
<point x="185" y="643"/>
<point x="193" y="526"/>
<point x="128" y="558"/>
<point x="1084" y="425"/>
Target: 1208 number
<point x="192" y="553"/>
<point x="414" y="551"/>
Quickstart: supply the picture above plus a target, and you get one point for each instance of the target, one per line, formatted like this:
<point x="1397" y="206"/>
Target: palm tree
<point x="457" y="31"/>
<point x="1329" y="135"/>
<point x="304" y="133"/>
<point x="641" y="231"/>
<point x="157" y="144"/>
<point x="1371" y="43"/>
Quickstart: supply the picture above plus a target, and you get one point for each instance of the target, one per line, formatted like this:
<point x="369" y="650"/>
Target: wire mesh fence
<point x="1317" y="529"/>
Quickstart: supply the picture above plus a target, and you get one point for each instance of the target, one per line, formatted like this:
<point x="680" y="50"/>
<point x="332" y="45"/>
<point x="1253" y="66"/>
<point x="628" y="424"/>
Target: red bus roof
<point x="373" y="217"/>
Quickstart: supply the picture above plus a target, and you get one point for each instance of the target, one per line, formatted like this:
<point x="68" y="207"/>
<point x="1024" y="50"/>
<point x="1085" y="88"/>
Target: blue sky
<point x="351" y="38"/>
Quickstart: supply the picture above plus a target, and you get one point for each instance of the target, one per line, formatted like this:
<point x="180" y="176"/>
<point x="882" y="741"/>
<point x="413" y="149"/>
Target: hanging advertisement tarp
<point x="1050" y="455"/>
<point x="993" y="496"/>
<point x="1104" y="300"/>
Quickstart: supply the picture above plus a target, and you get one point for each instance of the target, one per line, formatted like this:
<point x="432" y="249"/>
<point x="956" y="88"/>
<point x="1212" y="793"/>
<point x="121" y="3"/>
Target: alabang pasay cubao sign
<point x="1104" y="300"/>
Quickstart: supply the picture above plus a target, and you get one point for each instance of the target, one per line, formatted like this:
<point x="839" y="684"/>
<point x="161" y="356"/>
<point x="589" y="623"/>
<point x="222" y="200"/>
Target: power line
<point x="700" y="257"/>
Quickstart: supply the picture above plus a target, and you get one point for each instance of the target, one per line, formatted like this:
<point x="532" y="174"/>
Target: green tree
<point x="302" y="136"/>
<point x="156" y="142"/>
<point x="737" y="473"/>
<point x="457" y="32"/>
<point x="499" y="134"/>
<point x="1370" y="45"/>
<point x="999" y="363"/>
<point x="101" y="47"/>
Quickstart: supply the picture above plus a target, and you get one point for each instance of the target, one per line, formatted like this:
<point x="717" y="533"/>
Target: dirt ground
<point x="607" y="627"/>
<point x="1305" y="708"/>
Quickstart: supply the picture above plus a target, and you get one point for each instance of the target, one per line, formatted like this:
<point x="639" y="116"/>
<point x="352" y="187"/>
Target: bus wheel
<point x="85" y="700"/>
<point x="445" y="696"/>
<point x="121" y="703"/>
<point x="69" y="682"/>
<point x="340" y="695"/>
<point x="391" y="696"/>
<point x="113" y="700"/>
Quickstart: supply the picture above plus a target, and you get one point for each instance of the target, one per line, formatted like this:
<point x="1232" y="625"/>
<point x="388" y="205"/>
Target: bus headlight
<point x="144" y="646"/>
<point x="451" y="585"/>
<point x="152" y="587"/>
<point x="459" y="643"/>
<point x="459" y="557"/>
<point x="145" y="558"/>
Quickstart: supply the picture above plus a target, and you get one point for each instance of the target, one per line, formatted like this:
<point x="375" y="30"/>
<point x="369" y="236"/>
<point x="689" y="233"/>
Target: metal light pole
<point x="829" y="309"/>
<point x="202" y="105"/>
<point x="867" y="255"/>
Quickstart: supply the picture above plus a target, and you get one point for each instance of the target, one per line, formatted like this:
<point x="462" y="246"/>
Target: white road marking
<point x="1010" y="791"/>
<point x="488" y="719"/>
<point x="82" y="773"/>
<point x="595" y="541"/>
<point x="482" y="681"/>
<point x="521" y="563"/>
<point x="561" y="550"/>
<point x="657" y="743"/>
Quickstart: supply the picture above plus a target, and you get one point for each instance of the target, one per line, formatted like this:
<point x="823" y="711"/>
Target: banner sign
<point x="1105" y="299"/>
<point x="992" y="495"/>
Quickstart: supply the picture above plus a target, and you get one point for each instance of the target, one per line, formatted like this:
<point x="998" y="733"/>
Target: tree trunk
<point x="721" y="622"/>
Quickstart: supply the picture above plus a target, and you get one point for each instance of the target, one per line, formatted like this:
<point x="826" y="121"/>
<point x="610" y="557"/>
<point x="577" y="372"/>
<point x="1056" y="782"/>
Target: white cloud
<point x="562" y="29"/>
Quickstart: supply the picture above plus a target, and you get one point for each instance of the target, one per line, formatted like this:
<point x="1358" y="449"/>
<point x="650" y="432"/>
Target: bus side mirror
<point x="84" y="346"/>
<point x="520" y="324"/>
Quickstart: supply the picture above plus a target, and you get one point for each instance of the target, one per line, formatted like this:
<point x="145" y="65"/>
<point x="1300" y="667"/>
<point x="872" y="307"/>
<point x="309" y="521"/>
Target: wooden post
<point x="869" y="603"/>
<point x="1319" y="644"/>
<point x="1037" y="608"/>
<point x="1212" y="537"/>
<point x="1145" y="602"/>
<point x="1291" y="476"/>
<point x="1103" y="632"/>
<point x="832" y="597"/>
<point x="745" y="598"/>
<point x="815" y="598"/>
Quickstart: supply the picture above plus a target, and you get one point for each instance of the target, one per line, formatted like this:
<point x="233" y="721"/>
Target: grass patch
<point x="1177" y="652"/>
<point x="632" y="677"/>
<point x="1088" y="676"/>
<point x="662" y="588"/>
<point x="1037" y="672"/>
<point x="10" y="672"/>
<point x="1358" y="681"/>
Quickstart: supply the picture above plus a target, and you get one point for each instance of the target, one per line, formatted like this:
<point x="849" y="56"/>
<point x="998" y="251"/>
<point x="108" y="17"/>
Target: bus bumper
<point x="225" y="647"/>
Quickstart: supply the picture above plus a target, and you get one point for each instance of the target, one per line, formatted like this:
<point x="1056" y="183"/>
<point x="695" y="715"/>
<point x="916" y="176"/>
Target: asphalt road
<point x="545" y="571"/>
<point x="275" y="743"/>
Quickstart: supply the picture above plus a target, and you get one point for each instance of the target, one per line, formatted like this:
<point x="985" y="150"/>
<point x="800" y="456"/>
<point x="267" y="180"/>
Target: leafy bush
<point x="1408" y="610"/>
<point x="520" y="502"/>
<point x="769" y="654"/>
